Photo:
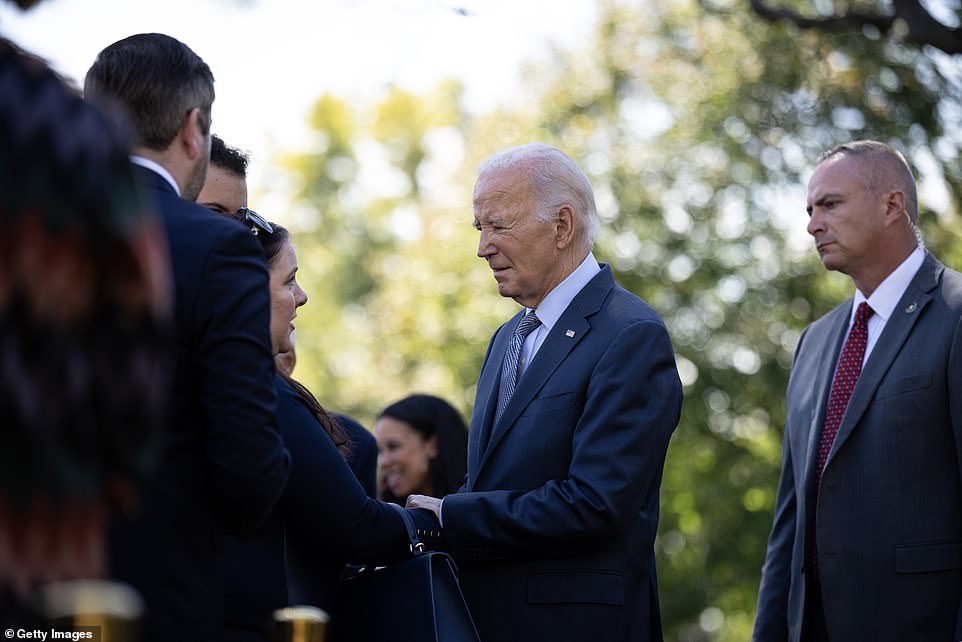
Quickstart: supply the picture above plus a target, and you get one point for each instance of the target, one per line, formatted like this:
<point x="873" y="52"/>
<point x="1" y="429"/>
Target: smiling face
<point x="404" y="457"/>
<point x="286" y="297"/>
<point x="523" y="252"/>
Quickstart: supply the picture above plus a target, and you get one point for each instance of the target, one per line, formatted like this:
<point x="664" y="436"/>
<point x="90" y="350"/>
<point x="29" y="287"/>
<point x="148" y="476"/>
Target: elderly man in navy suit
<point x="867" y="538"/>
<point x="577" y="399"/>
<point x="222" y="463"/>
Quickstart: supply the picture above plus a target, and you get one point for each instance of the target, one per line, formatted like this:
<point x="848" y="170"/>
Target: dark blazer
<point x="363" y="456"/>
<point x="324" y="519"/>
<point x="222" y="464"/>
<point x="555" y="527"/>
<point x="889" y="518"/>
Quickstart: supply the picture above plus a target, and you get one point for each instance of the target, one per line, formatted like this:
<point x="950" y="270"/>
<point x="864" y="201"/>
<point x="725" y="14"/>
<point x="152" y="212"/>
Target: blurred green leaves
<point x="697" y="128"/>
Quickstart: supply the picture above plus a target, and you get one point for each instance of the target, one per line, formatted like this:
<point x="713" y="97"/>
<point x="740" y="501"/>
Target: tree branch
<point x="922" y="28"/>
<point x="926" y="30"/>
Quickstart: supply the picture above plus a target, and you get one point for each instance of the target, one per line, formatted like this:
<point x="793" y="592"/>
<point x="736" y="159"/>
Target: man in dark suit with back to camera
<point x="222" y="464"/>
<point x="577" y="399"/>
<point x="867" y="538"/>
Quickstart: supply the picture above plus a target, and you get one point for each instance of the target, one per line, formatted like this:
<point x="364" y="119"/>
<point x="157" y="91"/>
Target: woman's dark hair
<point x="271" y="243"/>
<point x="429" y="416"/>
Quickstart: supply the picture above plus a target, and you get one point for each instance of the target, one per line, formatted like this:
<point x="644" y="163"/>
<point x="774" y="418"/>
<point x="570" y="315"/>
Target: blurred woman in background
<point x="422" y="448"/>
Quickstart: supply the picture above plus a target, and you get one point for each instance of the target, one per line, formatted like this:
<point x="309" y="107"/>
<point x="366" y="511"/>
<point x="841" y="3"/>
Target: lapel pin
<point x="911" y="307"/>
<point x="570" y="333"/>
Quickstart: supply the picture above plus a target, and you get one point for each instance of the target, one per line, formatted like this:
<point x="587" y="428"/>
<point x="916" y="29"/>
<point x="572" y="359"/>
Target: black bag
<point x="417" y="600"/>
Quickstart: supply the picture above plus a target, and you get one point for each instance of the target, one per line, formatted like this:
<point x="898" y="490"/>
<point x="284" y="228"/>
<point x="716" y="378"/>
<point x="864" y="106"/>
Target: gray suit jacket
<point x="889" y="519"/>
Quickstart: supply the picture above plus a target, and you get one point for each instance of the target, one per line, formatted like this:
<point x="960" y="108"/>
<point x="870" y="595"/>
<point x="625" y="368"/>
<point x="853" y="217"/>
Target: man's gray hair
<point x="556" y="180"/>
<point x="882" y="167"/>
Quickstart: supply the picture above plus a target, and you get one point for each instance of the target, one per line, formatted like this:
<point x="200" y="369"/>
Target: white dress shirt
<point x="885" y="297"/>
<point x="549" y="311"/>
<point x="553" y="306"/>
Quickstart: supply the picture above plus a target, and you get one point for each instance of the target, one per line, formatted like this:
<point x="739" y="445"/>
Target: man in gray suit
<point x="867" y="538"/>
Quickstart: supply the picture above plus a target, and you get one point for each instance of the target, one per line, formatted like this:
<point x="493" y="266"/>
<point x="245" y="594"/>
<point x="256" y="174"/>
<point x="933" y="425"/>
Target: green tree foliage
<point x="913" y="21"/>
<point x="698" y="125"/>
<point x="397" y="305"/>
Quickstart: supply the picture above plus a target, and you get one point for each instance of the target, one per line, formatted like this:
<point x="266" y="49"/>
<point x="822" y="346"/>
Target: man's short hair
<point x="555" y="180"/>
<point x="228" y="158"/>
<point x="882" y="167"/>
<point x="156" y="80"/>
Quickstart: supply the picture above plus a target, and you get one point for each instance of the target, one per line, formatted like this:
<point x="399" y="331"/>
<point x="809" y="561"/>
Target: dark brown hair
<point x="431" y="416"/>
<point x="271" y="243"/>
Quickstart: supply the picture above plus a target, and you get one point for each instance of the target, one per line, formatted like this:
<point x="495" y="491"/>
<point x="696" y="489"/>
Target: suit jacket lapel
<point x="831" y="346"/>
<point x="896" y="331"/>
<point x="486" y="397"/>
<point x="553" y="351"/>
<point x="557" y="345"/>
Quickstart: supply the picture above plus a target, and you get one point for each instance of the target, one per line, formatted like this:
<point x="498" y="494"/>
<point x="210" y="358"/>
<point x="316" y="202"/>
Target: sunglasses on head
<point x="257" y="222"/>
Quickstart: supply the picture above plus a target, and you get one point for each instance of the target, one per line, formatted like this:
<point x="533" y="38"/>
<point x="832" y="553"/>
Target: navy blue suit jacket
<point x="222" y="463"/>
<point x="324" y="519"/>
<point x="889" y="515"/>
<point x="555" y="527"/>
<point x="363" y="456"/>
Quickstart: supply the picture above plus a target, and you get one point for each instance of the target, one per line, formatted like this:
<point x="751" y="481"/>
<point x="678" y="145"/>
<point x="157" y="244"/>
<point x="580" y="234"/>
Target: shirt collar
<point x="886" y="296"/>
<point x="553" y="305"/>
<point x="157" y="168"/>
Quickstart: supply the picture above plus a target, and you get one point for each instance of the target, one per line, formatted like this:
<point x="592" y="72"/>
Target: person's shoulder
<point x="201" y="220"/>
<point x="830" y="321"/>
<point x="293" y="414"/>
<point x="289" y="400"/>
<point x="627" y="308"/>
<point x="360" y="435"/>
<point x="285" y="391"/>
<point x="951" y="287"/>
<point x="185" y="219"/>
<point x="198" y="230"/>
<point x="615" y="304"/>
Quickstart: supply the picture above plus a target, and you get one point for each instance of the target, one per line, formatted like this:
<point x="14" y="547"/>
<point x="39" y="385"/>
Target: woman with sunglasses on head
<point x="324" y="519"/>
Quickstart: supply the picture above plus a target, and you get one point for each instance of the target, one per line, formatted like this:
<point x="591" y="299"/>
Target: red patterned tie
<point x="846" y="374"/>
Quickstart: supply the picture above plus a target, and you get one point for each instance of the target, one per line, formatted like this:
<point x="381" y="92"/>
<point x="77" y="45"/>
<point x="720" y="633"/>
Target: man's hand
<point x="433" y="504"/>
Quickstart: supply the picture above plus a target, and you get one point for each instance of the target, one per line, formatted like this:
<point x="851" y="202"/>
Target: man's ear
<point x="564" y="226"/>
<point x="191" y="135"/>
<point x="895" y="207"/>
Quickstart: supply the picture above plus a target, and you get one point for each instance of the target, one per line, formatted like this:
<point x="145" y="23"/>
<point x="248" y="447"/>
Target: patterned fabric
<point x="84" y="310"/>
<point x="846" y="374"/>
<point x="512" y="362"/>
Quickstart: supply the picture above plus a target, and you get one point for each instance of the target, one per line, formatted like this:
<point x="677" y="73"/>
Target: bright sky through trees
<point x="273" y="58"/>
